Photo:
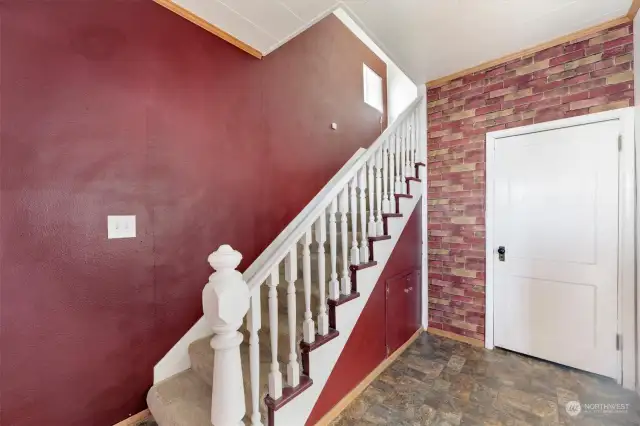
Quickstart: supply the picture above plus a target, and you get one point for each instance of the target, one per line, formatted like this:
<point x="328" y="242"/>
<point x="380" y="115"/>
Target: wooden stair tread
<point x="362" y="266"/>
<point x="319" y="341"/>
<point x="344" y="298"/>
<point x="288" y="393"/>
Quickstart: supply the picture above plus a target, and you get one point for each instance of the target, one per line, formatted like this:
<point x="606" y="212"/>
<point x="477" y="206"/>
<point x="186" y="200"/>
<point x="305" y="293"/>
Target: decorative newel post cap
<point x="224" y="258"/>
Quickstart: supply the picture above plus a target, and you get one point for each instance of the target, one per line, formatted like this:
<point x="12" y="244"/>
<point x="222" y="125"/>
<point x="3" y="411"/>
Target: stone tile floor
<point x="441" y="382"/>
<point x="438" y="381"/>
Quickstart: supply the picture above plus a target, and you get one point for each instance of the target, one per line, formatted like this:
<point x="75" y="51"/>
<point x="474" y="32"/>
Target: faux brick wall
<point x="584" y="76"/>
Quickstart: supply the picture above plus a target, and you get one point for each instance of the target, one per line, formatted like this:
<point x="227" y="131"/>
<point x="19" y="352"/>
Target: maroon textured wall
<point x="122" y="107"/>
<point x="366" y="347"/>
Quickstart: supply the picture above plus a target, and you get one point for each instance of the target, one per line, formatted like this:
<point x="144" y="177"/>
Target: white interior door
<point x="556" y="214"/>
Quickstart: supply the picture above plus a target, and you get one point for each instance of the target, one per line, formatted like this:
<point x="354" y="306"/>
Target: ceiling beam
<point x="530" y="51"/>
<point x="633" y="10"/>
<point x="179" y="10"/>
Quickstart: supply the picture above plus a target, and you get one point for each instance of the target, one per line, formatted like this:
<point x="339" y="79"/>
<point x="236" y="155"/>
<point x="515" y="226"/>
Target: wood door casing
<point x="403" y="308"/>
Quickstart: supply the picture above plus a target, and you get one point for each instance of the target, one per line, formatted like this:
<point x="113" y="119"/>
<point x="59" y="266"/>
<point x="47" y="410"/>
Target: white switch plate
<point x="121" y="227"/>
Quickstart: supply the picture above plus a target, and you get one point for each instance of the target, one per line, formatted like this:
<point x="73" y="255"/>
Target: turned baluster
<point x="412" y="142"/>
<point x="275" y="376"/>
<point x="392" y="173"/>
<point x="308" y="327"/>
<point x="403" y="155"/>
<point x="254" y="323"/>
<point x="398" y="146"/>
<point x="345" y="285"/>
<point x="225" y="301"/>
<point x="407" y="151"/>
<point x="321" y="238"/>
<point x="364" y="244"/>
<point x="385" y="177"/>
<point x="291" y="274"/>
<point x="355" y="253"/>
<point x="334" y="285"/>
<point x="372" y="232"/>
<point x="378" y="166"/>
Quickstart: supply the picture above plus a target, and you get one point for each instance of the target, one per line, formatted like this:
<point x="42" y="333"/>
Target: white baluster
<point x="422" y="141"/>
<point x="407" y="149"/>
<point x="392" y="174"/>
<point x="399" y="185"/>
<point x="364" y="243"/>
<point x="385" y="176"/>
<point x="372" y="232"/>
<point x="308" y="327"/>
<point x="275" y="377"/>
<point x="321" y="238"/>
<point x="291" y="274"/>
<point x="414" y="143"/>
<point x="378" y="165"/>
<point x="345" y="283"/>
<point x="334" y="285"/>
<point x="412" y="129"/>
<point x="355" y="253"/>
<point x="254" y="323"/>
<point x="227" y="289"/>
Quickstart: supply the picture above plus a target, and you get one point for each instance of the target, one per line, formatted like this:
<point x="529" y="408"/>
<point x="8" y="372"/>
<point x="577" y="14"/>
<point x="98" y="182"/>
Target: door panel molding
<point x="626" y="229"/>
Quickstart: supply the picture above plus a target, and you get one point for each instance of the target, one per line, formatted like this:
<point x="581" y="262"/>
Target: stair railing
<point x="372" y="177"/>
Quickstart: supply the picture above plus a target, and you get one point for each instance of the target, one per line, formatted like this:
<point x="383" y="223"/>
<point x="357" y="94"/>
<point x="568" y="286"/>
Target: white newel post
<point x="225" y="302"/>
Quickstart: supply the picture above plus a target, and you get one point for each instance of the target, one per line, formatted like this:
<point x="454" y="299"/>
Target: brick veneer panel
<point x="584" y="76"/>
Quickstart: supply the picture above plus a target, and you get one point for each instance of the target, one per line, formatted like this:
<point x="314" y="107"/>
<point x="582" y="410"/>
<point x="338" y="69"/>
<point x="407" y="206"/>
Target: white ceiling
<point x="427" y="39"/>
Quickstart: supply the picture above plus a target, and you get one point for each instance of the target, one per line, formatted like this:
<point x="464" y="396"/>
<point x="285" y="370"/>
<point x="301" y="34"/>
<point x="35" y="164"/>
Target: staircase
<point x="301" y="297"/>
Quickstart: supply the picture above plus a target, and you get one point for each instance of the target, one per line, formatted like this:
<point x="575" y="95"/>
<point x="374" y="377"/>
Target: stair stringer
<point x="323" y="360"/>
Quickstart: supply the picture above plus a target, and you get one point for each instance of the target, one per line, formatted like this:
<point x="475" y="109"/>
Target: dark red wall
<point x="122" y="107"/>
<point x="366" y="347"/>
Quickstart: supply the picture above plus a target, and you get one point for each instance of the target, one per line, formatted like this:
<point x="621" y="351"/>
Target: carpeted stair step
<point x="180" y="400"/>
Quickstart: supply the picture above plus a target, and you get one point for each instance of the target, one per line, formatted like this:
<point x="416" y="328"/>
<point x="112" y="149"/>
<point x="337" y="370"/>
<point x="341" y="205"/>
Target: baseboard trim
<point x="355" y="392"/>
<point x="135" y="419"/>
<point x="457" y="337"/>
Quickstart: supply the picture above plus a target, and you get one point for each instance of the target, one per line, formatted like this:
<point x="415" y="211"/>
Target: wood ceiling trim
<point x="179" y="10"/>
<point x="525" y="52"/>
<point x="633" y="10"/>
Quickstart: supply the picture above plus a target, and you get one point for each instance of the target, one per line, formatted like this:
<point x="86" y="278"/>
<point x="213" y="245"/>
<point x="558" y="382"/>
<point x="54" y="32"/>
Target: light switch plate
<point x="121" y="227"/>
